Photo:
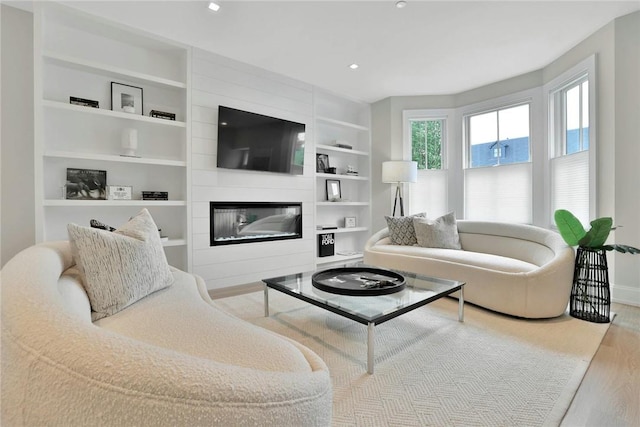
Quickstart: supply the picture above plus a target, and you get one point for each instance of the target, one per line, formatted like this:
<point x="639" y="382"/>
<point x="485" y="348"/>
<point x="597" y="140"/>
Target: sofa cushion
<point x="119" y="268"/>
<point x="475" y="259"/>
<point x="441" y="232"/>
<point x="177" y="318"/>
<point x="401" y="229"/>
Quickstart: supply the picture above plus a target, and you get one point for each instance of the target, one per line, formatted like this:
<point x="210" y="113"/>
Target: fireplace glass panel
<point x="245" y="222"/>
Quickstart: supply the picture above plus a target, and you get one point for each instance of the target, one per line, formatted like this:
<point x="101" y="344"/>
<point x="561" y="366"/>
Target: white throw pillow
<point x="120" y="267"/>
<point x="441" y="232"/>
<point x="401" y="231"/>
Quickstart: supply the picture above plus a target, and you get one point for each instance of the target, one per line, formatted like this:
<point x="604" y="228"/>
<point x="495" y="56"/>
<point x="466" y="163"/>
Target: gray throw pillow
<point x="438" y="233"/>
<point x="120" y="267"/>
<point x="401" y="231"/>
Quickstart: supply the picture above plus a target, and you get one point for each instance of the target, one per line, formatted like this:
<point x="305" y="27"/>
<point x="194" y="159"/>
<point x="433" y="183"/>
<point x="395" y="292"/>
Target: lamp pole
<point x="398" y="199"/>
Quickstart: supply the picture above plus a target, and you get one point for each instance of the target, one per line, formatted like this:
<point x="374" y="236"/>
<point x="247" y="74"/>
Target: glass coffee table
<point x="368" y="310"/>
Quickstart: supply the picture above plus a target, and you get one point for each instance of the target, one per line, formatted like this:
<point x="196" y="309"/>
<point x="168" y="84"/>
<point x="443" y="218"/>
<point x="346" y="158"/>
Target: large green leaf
<point x="597" y="235"/>
<point x="569" y="226"/>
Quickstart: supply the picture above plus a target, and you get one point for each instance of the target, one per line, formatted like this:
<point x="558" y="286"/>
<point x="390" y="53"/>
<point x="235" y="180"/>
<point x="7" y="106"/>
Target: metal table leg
<point x="370" y="346"/>
<point x="266" y="301"/>
<point x="461" y="305"/>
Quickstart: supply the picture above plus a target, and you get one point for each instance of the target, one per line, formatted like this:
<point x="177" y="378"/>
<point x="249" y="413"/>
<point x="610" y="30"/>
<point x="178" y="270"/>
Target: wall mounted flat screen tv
<point x="252" y="141"/>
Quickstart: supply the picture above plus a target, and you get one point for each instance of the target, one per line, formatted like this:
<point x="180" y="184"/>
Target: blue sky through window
<point x="499" y="137"/>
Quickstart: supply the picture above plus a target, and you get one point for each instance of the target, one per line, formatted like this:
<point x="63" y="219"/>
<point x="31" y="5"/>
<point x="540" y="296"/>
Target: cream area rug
<point x="431" y="370"/>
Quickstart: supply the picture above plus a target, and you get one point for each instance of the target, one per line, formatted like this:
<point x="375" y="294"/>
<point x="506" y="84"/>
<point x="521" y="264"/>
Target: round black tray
<point x="358" y="281"/>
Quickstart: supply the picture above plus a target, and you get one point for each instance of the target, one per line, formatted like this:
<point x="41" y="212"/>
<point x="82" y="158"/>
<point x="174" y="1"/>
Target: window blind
<point x="500" y="193"/>
<point x="570" y="185"/>
<point x="429" y="194"/>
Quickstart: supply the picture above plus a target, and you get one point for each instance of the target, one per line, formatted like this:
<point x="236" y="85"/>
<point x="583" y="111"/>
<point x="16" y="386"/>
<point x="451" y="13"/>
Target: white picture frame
<point x="119" y="192"/>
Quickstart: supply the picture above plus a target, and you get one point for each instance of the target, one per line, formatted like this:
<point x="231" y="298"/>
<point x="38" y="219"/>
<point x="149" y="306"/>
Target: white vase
<point x="130" y="142"/>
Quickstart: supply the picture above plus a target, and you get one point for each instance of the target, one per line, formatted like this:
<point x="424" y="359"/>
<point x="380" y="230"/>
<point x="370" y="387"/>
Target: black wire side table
<point x="590" y="294"/>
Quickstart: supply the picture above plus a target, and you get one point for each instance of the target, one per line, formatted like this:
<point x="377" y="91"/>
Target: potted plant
<point x="590" y="293"/>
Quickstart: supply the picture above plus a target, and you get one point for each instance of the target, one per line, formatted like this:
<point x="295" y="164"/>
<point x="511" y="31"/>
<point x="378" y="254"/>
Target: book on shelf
<point x="74" y="100"/>
<point x="326" y="244"/>
<point x="326" y="227"/>
<point x="162" y="115"/>
<point x="155" y="195"/>
<point x="342" y="144"/>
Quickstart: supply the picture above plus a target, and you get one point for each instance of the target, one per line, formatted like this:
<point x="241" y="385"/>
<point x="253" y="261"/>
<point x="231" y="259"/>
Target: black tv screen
<point x="252" y="141"/>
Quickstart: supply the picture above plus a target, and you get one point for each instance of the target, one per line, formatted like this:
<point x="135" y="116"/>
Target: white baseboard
<point x="232" y="291"/>
<point x="625" y="295"/>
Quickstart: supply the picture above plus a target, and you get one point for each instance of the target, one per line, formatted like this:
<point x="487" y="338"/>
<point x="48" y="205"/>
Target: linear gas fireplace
<point x="246" y="222"/>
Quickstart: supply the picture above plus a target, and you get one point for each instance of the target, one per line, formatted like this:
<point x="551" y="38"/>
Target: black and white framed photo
<point x="334" y="193"/>
<point x="322" y="162"/>
<point x="125" y="98"/>
<point x="86" y="184"/>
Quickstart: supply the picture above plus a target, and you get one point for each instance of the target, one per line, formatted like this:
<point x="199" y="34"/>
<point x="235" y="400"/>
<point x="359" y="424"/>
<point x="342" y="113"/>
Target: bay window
<point x="425" y="142"/>
<point x="498" y="173"/>
<point x="571" y="139"/>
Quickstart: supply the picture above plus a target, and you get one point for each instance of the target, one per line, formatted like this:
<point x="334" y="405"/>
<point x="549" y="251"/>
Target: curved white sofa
<point x="516" y="269"/>
<point x="171" y="358"/>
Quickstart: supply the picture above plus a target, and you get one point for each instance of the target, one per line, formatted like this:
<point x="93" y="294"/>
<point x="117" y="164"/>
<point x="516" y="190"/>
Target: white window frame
<point x="558" y="112"/>
<point x="533" y="97"/>
<point x="466" y="118"/>
<point x="412" y="115"/>
<point x="584" y="69"/>
<point x="447" y="116"/>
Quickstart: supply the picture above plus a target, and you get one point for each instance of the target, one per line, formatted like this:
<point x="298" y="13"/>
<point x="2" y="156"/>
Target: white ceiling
<point x="426" y="48"/>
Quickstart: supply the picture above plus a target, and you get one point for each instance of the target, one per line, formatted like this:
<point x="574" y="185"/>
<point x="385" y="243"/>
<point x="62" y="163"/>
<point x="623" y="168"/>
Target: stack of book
<point x="84" y="102"/>
<point x="326" y="227"/>
<point x="155" y="195"/>
<point x="162" y="115"/>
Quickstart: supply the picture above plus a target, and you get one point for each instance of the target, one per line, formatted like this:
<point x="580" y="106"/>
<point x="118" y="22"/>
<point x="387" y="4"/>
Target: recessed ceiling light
<point x="214" y="6"/>
<point x="400" y="4"/>
<point x="353" y="66"/>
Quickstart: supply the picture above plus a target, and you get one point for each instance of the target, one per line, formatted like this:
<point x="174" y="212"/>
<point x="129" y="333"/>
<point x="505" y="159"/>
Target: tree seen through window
<point x="426" y="143"/>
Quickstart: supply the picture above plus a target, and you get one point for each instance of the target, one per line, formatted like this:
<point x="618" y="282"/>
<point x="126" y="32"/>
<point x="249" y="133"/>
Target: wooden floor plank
<point x="610" y="391"/>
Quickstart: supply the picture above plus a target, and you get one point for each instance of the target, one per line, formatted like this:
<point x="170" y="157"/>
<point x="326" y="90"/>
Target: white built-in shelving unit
<point x="344" y="121"/>
<point x="79" y="55"/>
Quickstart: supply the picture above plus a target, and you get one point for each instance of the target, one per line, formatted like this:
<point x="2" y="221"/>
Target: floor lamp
<point x="398" y="172"/>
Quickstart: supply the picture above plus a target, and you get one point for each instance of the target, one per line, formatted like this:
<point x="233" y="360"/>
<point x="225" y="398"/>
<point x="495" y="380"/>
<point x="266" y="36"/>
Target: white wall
<point x="617" y="51"/>
<point x="220" y="81"/>
<point x="17" y="192"/>
<point x="618" y="79"/>
<point x="380" y="151"/>
<point x="627" y="155"/>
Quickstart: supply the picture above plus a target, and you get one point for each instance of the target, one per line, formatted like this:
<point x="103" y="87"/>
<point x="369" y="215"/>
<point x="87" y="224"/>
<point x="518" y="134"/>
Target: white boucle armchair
<point x="171" y="358"/>
<point x="516" y="269"/>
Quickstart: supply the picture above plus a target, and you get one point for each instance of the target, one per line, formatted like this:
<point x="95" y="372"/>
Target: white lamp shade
<point x="399" y="171"/>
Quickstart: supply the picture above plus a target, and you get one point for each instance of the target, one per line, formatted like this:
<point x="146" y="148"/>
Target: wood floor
<point x="610" y="391"/>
